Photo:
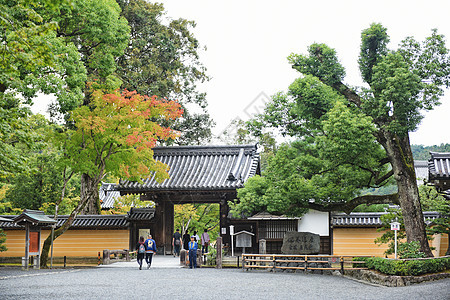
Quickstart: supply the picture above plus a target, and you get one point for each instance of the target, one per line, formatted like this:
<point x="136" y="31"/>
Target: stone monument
<point x="300" y="243"/>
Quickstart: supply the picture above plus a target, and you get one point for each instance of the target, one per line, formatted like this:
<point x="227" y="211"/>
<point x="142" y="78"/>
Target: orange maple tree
<point x="116" y="134"/>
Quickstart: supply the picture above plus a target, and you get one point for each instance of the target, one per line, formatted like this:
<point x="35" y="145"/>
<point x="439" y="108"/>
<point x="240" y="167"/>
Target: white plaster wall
<point x="316" y="222"/>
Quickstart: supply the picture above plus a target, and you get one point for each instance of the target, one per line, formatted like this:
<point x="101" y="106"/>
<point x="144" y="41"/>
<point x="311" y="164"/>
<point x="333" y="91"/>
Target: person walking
<point x="176" y="242"/>
<point x="193" y="246"/>
<point x="140" y="248"/>
<point x="186" y="239"/>
<point x="150" y="246"/>
<point x="197" y="238"/>
<point x="205" y="241"/>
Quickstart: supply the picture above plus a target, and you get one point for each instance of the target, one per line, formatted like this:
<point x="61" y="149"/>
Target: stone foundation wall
<point x="392" y="280"/>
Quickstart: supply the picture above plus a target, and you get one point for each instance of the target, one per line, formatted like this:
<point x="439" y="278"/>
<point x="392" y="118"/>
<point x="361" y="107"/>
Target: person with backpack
<point x="140" y="248"/>
<point x="176" y="242"/>
<point x="150" y="246"/>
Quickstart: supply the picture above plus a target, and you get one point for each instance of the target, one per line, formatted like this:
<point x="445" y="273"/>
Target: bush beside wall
<point x="407" y="267"/>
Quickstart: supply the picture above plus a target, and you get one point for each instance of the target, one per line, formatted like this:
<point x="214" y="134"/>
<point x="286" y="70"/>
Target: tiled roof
<point x="93" y="221"/>
<point x="371" y="219"/>
<point x="201" y="168"/>
<point x="140" y="214"/>
<point x="439" y="165"/>
<point x="108" y="195"/>
<point x="266" y="216"/>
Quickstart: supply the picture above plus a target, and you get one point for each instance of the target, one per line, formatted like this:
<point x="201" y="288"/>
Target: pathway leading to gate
<point x="158" y="262"/>
<point x="166" y="280"/>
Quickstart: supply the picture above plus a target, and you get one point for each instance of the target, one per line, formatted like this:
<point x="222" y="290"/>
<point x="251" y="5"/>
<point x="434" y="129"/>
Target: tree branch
<point x="349" y="206"/>
<point x="348" y="93"/>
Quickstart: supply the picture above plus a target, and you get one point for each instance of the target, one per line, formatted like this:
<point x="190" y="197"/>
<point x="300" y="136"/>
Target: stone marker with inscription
<point x="300" y="243"/>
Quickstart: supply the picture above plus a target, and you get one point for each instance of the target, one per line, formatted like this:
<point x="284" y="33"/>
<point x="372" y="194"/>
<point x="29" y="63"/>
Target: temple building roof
<point x="439" y="170"/>
<point x="201" y="168"/>
<point x="371" y="219"/>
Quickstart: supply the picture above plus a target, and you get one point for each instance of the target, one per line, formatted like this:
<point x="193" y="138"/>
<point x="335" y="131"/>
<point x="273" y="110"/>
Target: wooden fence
<point x="273" y="262"/>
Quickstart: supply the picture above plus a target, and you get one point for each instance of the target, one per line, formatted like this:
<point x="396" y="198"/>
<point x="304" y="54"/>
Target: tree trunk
<point x="89" y="190"/>
<point x="399" y="153"/>
<point x="60" y="231"/>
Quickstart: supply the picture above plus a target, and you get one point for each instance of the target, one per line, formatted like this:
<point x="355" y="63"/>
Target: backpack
<point x="141" y="248"/>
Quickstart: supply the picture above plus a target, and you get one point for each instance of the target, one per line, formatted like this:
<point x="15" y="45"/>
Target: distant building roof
<point x="267" y="216"/>
<point x="5" y="219"/>
<point x="421" y="168"/>
<point x="201" y="168"/>
<point x="108" y="195"/>
<point x="439" y="170"/>
<point x="371" y="219"/>
<point x="439" y="165"/>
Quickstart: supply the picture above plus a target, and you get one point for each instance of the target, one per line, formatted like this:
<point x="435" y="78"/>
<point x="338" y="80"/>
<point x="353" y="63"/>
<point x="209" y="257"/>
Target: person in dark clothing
<point x="186" y="239"/>
<point x="140" y="248"/>
<point x="193" y="246"/>
<point x="176" y="243"/>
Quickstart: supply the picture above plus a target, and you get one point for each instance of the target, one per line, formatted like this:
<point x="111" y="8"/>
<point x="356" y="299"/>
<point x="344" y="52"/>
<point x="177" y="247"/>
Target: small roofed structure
<point x="33" y="220"/>
<point x="439" y="170"/>
<point x="33" y="217"/>
<point x="108" y="194"/>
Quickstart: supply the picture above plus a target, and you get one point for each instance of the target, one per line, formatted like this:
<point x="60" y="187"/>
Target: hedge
<point x="406" y="267"/>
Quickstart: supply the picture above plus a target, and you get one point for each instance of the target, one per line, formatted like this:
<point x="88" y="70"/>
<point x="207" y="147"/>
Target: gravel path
<point x="127" y="281"/>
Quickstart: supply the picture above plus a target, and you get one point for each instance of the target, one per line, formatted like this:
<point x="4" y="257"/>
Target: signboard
<point x="395" y="226"/>
<point x="243" y="240"/>
<point x="144" y="232"/>
<point x="224" y="230"/>
<point x="300" y="243"/>
<point x="34" y="243"/>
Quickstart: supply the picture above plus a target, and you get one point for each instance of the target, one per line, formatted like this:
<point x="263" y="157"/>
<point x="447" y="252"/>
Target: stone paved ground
<point x="165" y="280"/>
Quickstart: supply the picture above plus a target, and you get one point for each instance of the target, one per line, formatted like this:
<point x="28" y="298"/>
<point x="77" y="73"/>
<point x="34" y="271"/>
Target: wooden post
<point x="342" y="265"/>
<point x="219" y="253"/>
<point x="98" y="257"/>
<point x="27" y="244"/>
<point x="306" y="262"/>
<point x="65" y="261"/>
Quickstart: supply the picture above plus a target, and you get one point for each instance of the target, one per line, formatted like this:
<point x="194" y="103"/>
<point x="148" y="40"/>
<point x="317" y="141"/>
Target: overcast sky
<point x="248" y="42"/>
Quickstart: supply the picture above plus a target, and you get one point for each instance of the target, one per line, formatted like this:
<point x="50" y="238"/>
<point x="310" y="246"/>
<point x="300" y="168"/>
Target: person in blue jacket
<point x="193" y="246"/>
<point x="150" y="247"/>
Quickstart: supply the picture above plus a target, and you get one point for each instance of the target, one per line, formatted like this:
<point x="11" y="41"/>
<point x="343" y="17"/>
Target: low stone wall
<point x="392" y="280"/>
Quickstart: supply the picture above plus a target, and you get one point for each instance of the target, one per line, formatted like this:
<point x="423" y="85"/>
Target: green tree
<point x="162" y="59"/>
<point x="354" y="138"/>
<point x="197" y="217"/>
<point x="433" y="201"/>
<point x="2" y="241"/>
<point x="421" y="152"/>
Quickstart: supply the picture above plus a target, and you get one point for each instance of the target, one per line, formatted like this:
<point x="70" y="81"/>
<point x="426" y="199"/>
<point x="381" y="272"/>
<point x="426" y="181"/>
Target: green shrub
<point x="410" y="250"/>
<point x="408" y="267"/>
